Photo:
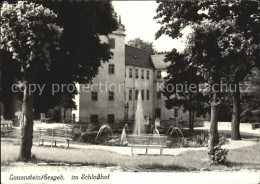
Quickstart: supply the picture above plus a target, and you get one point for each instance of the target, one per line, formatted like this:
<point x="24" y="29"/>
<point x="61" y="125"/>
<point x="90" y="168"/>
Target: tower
<point x="105" y="101"/>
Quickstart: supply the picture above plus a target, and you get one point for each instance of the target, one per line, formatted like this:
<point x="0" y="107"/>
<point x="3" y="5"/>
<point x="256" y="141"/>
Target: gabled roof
<point x="158" y="61"/>
<point x="137" y="57"/>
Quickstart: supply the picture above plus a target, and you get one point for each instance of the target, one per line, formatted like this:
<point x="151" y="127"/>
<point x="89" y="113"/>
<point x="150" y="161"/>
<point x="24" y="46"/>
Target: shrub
<point x="256" y="114"/>
<point x="217" y="155"/>
<point x="248" y="116"/>
<point x="89" y="137"/>
<point x="246" y="113"/>
<point x="222" y="140"/>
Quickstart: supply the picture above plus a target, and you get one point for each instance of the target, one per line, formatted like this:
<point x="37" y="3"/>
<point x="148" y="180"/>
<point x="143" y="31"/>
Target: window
<point x="142" y="74"/>
<point x="112" y="43"/>
<point x="142" y="93"/>
<point x="94" y="118"/>
<point x="130" y="94"/>
<point x="130" y="72"/>
<point x="111" y="118"/>
<point x="94" y="95"/>
<point x="136" y="94"/>
<point x="175" y="113"/>
<point x="111" y="68"/>
<point x="157" y="112"/>
<point x="159" y="74"/>
<point x="148" y="95"/>
<point x="147" y="74"/>
<point x="136" y="73"/>
<point x="111" y="95"/>
<point x="159" y="95"/>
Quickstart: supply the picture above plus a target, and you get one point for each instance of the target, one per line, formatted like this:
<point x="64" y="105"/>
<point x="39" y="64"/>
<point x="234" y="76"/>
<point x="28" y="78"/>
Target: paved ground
<point x="218" y="177"/>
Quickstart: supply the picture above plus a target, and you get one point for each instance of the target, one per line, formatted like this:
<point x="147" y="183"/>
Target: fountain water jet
<point x="139" y="117"/>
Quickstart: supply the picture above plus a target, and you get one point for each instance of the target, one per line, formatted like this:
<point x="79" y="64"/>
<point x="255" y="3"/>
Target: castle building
<point x="112" y="96"/>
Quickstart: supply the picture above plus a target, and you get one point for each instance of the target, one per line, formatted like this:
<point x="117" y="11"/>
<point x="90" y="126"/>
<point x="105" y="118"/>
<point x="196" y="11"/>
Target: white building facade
<point x="112" y="96"/>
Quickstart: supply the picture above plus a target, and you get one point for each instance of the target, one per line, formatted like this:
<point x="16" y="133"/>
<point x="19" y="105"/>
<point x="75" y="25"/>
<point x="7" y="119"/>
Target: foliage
<point x="194" y="140"/>
<point x="223" y="45"/>
<point x="88" y="137"/>
<point x="217" y="155"/>
<point x="222" y="140"/>
<point x="141" y="44"/>
<point x="20" y="25"/>
<point x="179" y="73"/>
<point x="250" y="100"/>
<point x="30" y="34"/>
<point x="9" y="68"/>
<point x="81" y="52"/>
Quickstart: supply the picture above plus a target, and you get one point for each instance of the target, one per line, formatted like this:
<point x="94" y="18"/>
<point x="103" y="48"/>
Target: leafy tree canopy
<point x="81" y="52"/>
<point x="139" y="43"/>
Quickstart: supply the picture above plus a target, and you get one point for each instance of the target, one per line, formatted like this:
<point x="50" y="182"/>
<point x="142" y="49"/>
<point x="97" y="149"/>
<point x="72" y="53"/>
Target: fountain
<point x="139" y="117"/>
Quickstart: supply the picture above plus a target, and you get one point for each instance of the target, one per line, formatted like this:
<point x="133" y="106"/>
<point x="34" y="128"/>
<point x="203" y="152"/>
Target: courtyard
<point x="120" y="158"/>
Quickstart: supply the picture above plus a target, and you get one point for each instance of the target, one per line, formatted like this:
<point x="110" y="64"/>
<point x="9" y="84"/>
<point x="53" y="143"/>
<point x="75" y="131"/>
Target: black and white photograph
<point x="125" y="92"/>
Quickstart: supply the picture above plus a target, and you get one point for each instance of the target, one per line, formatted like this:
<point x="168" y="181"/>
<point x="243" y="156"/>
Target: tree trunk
<point x="191" y="120"/>
<point x="213" y="130"/>
<point x="64" y="114"/>
<point x="235" y="134"/>
<point x="27" y="124"/>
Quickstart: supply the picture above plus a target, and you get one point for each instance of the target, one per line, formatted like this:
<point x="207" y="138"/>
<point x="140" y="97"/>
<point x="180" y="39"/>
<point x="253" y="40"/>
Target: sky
<point x="137" y="17"/>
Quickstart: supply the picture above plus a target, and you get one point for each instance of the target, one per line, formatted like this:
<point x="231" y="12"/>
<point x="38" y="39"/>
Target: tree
<point x="176" y="15"/>
<point x="77" y="59"/>
<point x="180" y="75"/>
<point x="141" y="44"/>
<point x="31" y="36"/>
<point x="81" y="52"/>
<point x="204" y="53"/>
<point x="213" y="52"/>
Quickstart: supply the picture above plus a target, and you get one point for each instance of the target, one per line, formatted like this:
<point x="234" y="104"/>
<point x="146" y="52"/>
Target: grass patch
<point x="189" y="160"/>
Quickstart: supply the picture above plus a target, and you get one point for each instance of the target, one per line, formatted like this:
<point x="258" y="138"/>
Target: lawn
<point x="246" y="158"/>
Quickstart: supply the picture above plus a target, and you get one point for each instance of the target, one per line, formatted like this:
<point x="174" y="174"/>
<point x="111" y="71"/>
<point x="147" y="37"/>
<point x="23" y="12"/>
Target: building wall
<point x="139" y="84"/>
<point x="121" y="106"/>
<point x="102" y="107"/>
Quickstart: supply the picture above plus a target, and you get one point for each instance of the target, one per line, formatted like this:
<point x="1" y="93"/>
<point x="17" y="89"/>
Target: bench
<point x="6" y="128"/>
<point x="148" y="141"/>
<point x="44" y="118"/>
<point x="54" y="135"/>
<point x="3" y="132"/>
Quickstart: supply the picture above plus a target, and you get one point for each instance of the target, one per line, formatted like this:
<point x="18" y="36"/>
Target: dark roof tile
<point x="137" y="57"/>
